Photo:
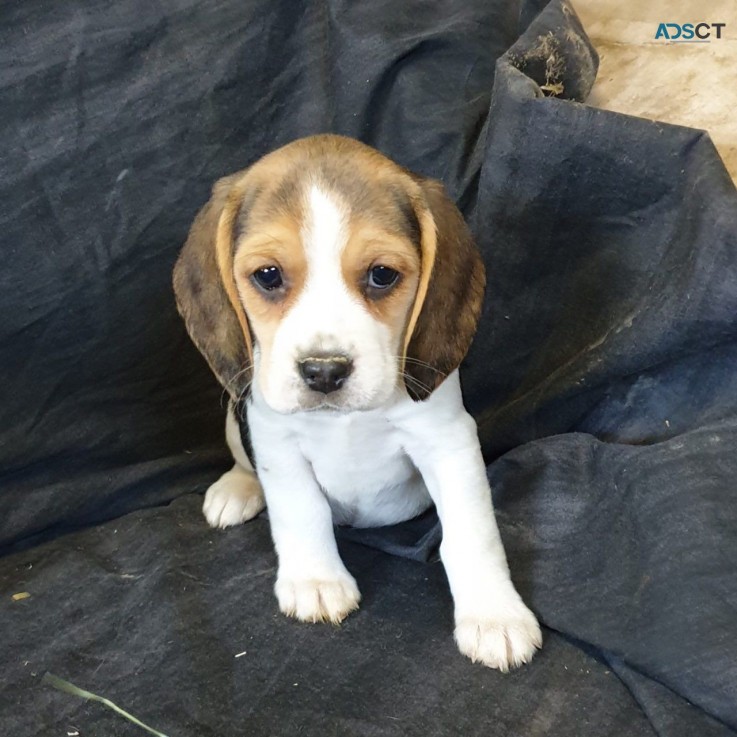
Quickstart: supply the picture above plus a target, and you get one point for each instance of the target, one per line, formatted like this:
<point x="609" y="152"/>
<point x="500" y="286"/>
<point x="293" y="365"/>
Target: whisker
<point x="247" y="367"/>
<point x="240" y="397"/>
<point x="424" y="364"/>
<point x="416" y="382"/>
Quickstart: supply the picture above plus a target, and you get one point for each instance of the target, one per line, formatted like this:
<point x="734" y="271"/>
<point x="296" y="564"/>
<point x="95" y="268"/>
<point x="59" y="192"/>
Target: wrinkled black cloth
<point x="178" y="624"/>
<point x="603" y="378"/>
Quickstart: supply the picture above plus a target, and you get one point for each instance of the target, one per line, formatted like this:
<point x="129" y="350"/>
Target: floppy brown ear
<point x="205" y="289"/>
<point x="449" y="296"/>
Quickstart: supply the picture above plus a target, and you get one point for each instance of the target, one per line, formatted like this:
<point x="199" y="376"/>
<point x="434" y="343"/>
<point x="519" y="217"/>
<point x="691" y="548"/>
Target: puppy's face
<point x="327" y="266"/>
<point x="329" y="276"/>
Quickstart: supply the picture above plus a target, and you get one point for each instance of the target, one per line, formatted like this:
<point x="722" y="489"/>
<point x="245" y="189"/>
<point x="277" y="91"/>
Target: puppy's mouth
<point x="327" y="405"/>
<point x="339" y="401"/>
<point x="312" y="402"/>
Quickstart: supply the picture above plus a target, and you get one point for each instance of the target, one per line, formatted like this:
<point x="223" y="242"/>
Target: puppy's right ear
<point x="205" y="290"/>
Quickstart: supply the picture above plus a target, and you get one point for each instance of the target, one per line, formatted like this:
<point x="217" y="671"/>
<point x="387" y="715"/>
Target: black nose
<point x="326" y="374"/>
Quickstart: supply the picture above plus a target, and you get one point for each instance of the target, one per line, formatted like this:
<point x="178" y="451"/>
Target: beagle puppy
<point x="334" y="295"/>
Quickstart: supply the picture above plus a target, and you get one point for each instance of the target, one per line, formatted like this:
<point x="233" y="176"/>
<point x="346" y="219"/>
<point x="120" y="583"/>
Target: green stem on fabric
<point x="70" y="688"/>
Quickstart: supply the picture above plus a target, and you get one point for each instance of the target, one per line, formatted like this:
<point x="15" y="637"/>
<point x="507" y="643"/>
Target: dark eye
<point x="382" y="277"/>
<point x="268" y="278"/>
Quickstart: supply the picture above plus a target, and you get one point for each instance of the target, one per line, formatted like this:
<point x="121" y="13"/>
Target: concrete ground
<point x="692" y="84"/>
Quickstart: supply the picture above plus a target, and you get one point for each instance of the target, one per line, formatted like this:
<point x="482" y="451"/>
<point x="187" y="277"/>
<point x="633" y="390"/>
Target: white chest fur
<point x="357" y="458"/>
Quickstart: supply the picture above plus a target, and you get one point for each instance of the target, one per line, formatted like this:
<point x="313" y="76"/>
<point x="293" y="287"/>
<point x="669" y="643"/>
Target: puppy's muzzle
<point x="325" y="374"/>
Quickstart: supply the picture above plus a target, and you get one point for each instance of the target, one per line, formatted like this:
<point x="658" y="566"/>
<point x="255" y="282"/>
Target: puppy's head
<point x="329" y="276"/>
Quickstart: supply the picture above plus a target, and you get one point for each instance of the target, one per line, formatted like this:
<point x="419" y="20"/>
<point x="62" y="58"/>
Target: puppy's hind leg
<point x="236" y="496"/>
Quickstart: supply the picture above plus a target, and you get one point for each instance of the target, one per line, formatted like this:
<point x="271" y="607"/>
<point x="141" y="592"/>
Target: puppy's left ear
<point x="205" y="288"/>
<point x="449" y="296"/>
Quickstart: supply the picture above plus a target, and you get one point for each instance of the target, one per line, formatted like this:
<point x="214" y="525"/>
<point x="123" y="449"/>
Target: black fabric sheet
<point x="603" y="378"/>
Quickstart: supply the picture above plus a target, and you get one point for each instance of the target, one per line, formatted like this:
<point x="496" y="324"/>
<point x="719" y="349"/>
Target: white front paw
<point x="505" y="637"/>
<point x="234" y="498"/>
<point x="318" y="599"/>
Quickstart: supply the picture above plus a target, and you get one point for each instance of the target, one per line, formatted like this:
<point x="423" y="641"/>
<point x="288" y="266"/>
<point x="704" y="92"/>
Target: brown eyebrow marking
<point x="287" y="197"/>
<point x="244" y="212"/>
<point x="409" y="221"/>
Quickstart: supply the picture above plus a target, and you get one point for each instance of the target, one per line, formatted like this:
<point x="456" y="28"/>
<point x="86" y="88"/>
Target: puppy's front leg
<point x="312" y="583"/>
<point x="493" y="625"/>
<point x="236" y="496"/>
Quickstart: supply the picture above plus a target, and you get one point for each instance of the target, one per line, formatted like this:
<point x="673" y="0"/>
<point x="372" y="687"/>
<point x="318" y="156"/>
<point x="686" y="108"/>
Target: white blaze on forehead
<point x="325" y="306"/>
<point x="325" y="230"/>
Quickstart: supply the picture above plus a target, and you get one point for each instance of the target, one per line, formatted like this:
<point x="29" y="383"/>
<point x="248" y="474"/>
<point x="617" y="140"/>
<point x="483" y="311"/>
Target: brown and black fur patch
<point x="450" y="313"/>
<point x="203" y="302"/>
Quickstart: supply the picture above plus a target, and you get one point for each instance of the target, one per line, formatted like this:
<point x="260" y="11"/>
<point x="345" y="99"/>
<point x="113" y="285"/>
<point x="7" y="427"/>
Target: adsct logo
<point x="695" y="33"/>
